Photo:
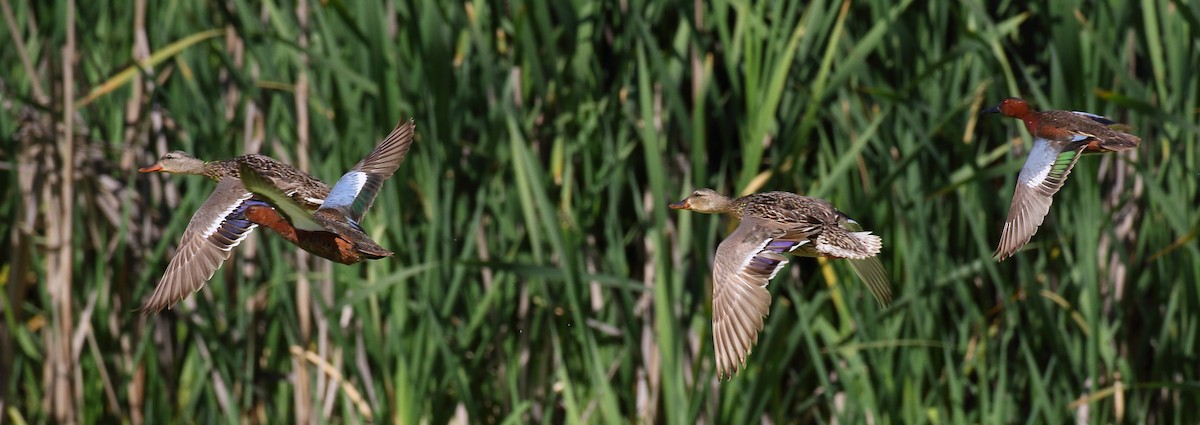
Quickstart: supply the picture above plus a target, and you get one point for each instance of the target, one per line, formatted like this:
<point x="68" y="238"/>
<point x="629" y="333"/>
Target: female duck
<point x="233" y="211"/>
<point x="772" y="224"/>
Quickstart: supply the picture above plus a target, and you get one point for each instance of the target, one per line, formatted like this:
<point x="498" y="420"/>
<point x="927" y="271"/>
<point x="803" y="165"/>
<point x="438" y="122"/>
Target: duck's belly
<point x="323" y="244"/>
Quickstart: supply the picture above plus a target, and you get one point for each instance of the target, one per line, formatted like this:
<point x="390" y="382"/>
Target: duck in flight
<point x="233" y="211"/>
<point x="773" y="224"/>
<point x="339" y="214"/>
<point x="1059" y="138"/>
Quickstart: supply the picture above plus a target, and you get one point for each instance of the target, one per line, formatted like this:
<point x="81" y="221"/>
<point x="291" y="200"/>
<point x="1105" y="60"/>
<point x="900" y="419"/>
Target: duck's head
<point x="1010" y="107"/>
<point x="704" y="201"/>
<point x="177" y="162"/>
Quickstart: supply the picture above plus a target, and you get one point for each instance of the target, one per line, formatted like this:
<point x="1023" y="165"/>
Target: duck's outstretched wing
<point x="1043" y="175"/>
<point x="355" y="191"/>
<point x="745" y="263"/>
<point x="216" y="228"/>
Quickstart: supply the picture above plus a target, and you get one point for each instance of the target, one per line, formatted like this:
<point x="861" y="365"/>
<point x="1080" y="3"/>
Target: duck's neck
<point x="1028" y="116"/>
<point x="1031" y="123"/>
<point x="214" y="170"/>
<point x="735" y="207"/>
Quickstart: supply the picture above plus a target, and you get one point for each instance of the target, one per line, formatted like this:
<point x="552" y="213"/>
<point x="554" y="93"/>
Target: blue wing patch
<point x="346" y="190"/>
<point x="235" y="226"/>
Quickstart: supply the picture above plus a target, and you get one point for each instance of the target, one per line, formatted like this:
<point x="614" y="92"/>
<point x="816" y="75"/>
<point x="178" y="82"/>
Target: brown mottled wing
<point x="304" y="189"/>
<point x="355" y="191"/>
<point x="1044" y="173"/>
<point x="299" y="216"/>
<point x="745" y="262"/>
<point x="1085" y="126"/>
<point x="216" y="228"/>
<point x="870" y="271"/>
<point x="1100" y="119"/>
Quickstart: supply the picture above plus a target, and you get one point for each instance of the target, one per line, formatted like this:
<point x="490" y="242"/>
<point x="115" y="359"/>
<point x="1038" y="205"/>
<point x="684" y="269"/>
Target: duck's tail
<point x="372" y="250"/>
<point x="1121" y="141"/>
<point x="838" y="242"/>
<point x="848" y="240"/>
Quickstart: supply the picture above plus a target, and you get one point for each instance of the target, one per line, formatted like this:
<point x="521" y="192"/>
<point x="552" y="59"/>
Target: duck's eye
<point x="697" y="194"/>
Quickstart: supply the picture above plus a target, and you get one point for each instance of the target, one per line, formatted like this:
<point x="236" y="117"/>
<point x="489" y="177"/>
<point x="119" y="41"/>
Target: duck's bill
<point x="150" y="169"/>
<point x="992" y="110"/>
<point x="681" y="205"/>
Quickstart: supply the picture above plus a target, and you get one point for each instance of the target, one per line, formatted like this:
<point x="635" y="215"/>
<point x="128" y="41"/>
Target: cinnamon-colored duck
<point x="233" y="211"/>
<point x="1059" y="138"/>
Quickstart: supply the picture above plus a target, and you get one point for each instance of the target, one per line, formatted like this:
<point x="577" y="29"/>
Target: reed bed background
<point x="539" y="277"/>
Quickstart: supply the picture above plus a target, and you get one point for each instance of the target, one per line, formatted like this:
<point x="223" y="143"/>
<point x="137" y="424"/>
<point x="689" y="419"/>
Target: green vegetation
<point x="539" y="276"/>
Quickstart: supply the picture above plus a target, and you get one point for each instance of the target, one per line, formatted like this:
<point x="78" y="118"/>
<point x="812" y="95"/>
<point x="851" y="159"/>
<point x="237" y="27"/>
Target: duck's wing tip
<point x="871" y="272"/>
<point x="390" y="152"/>
<point x="1026" y="214"/>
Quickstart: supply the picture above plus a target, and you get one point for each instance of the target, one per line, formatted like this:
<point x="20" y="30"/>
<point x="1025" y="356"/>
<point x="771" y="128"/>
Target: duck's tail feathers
<point x="1122" y="141"/>
<point x="372" y="251"/>
<point x="838" y="242"/>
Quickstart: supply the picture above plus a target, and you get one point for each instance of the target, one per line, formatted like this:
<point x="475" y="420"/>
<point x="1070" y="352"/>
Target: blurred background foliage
<point x="538" y="275"/>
